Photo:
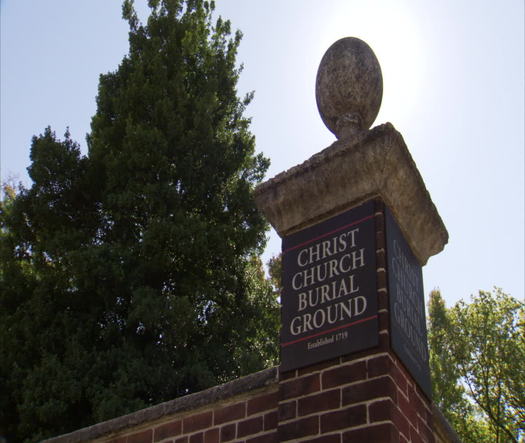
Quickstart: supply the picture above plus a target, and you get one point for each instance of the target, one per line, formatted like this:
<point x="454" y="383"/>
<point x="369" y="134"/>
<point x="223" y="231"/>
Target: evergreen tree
<point x="130" y="276"/>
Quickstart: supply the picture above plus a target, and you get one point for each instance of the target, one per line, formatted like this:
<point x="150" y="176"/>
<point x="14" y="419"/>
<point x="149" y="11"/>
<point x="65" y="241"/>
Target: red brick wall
<point x="361" y="398"/>
<point x="368" y="398"/>
<point x="252" y="419"/>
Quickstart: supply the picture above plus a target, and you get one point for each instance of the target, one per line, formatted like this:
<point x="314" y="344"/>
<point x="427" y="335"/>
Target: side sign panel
<point x="329" y="300"/>
<point x="408" y="331"/>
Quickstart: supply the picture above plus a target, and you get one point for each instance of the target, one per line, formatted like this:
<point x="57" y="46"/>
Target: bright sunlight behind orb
<point x="392" y="32"/>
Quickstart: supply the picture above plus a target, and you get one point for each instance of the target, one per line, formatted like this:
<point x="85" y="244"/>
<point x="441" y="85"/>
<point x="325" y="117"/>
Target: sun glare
<point x="392" y="32"/>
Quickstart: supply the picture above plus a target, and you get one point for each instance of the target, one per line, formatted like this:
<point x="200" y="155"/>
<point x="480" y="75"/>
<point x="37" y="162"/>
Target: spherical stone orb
<point x="349" y="87"/>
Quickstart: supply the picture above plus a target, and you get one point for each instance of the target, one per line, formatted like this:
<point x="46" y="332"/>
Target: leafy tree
<point x="477" y="359"/>
<point x="275" y="269"/>
<point x="130" y="276"/>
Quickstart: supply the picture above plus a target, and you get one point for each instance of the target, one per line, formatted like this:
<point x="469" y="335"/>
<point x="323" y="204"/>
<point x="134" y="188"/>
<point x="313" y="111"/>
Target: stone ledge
<point x="368" y="164"/>
<point x="182" y="404"/>
<point x="442" y="427"/>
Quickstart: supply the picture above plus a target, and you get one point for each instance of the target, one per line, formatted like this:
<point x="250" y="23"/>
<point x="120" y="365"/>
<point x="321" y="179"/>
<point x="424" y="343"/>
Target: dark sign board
<point x="408" y="331"/>
<point x="329" y="300"/>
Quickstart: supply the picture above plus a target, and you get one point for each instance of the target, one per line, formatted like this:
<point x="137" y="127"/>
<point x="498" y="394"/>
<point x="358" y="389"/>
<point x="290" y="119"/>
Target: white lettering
<point x="296" y="285"/>
<point x="302" y="302"/>
<point x="300" y="262"/>
<point x="360" y="258"/>
<point x="294" y="328"/>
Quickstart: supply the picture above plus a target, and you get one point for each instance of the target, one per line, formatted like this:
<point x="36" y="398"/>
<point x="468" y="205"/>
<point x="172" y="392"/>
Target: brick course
<point x="253" y="419"/>
<point x="353" y="399"/>
<point x="371" y="398"/>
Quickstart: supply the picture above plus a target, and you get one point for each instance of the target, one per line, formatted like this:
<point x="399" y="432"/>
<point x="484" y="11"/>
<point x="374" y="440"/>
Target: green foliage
<point x="275" y="269"/>
<point x="129" y="276"/>
<point x="477" y="356"/>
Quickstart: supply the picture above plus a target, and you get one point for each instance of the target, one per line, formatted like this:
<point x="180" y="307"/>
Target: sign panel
<point x="329" y="299"/>
<point x="408" y="331"/>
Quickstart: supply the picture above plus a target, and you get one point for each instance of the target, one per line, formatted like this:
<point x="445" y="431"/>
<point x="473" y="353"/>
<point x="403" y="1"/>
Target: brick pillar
<point x="363" y="397"/>
<point x="368" y="395"/>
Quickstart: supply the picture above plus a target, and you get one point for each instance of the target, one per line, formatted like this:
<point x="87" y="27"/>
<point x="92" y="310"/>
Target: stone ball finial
<point x="349" y="87"/>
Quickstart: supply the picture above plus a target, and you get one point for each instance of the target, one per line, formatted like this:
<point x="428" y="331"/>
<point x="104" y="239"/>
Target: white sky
<point x="453" y="75"/>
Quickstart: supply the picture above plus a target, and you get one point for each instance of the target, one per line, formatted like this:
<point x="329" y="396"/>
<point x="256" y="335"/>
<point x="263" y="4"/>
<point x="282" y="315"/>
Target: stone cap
<point x="369" y="164"/>
<point x="243" y="385"/>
